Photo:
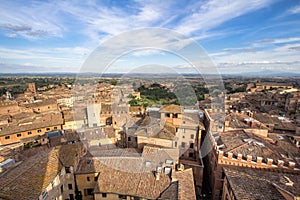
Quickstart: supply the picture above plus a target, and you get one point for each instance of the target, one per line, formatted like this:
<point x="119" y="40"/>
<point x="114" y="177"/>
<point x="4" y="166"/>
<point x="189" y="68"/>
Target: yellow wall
<point x="14" y="138"/>
<point x="82" y="183"/>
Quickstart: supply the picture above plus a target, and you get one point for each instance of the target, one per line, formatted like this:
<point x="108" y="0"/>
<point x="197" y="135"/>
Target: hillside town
<point x="110" y="141"/>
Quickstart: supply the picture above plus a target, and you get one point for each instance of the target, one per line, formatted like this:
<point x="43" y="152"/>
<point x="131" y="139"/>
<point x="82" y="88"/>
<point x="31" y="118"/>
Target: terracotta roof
<point x="128" y="182"/>
<point x="171" y="193"/>
<point x="263" y="118"/>
<point x="29" y="179"/>
<point x="160" y="154"/>
<point x="237" y="120"/>
<point x="130" y="160"/>
<point x="255" y="184"/>
<point x="42" y="103"/>
<point x="240" y="142"/>
<point x="39" y="121"/>
<point x="171" y="109"/>
<point x="186" y="188"/>
<point x="167" y="132"/>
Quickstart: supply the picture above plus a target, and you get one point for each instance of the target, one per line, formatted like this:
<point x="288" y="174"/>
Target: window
<point x="7" y="137"/>
<point x="175" y="144"/>
<point x="167" y="115"/>
<point x="19" y="135"/>
<point x="88" y="192"/>
<point x="47" y="129"/>
<point x="70" y="186"/>
<point x="175" y="115"/>
<point x="61" y="188"/>
<point x="71" y="196"/>
<point x="68" y="170"/>
<point x="48" y="107"/>
<point x="191" y="145"/>
<point x="96" y="178"/>
<point x="169" y="162"/>
<point x="129" y="139"/>
<point x="192" y="136"/>
<point x="183" y="144"/>
<point x="37" y="131"/>
<point x="88" y="178"/>
<point x="29" y="132"/>
<point x="44" y="194"/>
<point x="191" y="155"/>
<point x="104" y="195"/>
<point x="122" y="196"/>
<point x="55" y="127"/>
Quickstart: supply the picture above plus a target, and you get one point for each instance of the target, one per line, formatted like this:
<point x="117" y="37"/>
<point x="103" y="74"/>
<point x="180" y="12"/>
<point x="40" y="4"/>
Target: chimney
<point x="292" y="165"/>
<point x="259" y="160"/>
<point x="269" y="161"/>
<point x="249" y="158"/>
<point x="280" y="163"/>
<point x="239" y="157"/>
<point x="220" y="154"/>
<point x="157" y="176"/>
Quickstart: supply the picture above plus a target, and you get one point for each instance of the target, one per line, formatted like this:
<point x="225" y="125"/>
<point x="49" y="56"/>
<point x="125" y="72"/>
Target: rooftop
<point x="255" y="184"/>
<point x="36" y="122"/>
<point x="240" y="142"/>
<point x="186" y="188"/>
<point x="171" y="109"/>
<point x="30" y="178"/>
<point x="128" y="182"/>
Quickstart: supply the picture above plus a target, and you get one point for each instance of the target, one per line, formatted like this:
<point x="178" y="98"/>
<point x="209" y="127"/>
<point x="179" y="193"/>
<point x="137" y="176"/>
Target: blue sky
<point x="238" y="35"/>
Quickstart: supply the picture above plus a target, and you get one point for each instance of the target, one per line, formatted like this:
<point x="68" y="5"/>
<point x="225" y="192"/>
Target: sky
<point x="238" y="36"/>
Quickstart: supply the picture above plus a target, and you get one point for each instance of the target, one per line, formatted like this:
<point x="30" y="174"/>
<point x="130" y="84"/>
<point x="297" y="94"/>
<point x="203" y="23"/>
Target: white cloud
<point x="283" y="57"/>
<point x="146" y="52"/>
<point x="31" y="20"/>
<point x="52" y="59"/>
<point x="294" y="10"/>
<point x="11" y="35"/>
<point x="215" y="12"/>
<point x="280" y="41"/>
<point x="101" y="22"/>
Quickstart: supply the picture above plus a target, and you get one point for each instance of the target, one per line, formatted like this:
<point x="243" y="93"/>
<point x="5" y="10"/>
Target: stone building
<point x="152" y="175"/>
<point x="30" y="127"/>
<point x="47" y="175"/>
<point x="175" y="127"/>
<point x="93" y="114"/>
<point x="243" y="183"/>
<point x="243" y="149"/>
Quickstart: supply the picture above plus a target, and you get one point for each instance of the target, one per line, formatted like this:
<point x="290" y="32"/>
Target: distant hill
<point x="267" y="73"/>
<point x="264" y="73"/>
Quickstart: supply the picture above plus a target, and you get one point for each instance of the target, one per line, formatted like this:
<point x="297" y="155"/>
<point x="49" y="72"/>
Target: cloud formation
<point x="63" y="33"/>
